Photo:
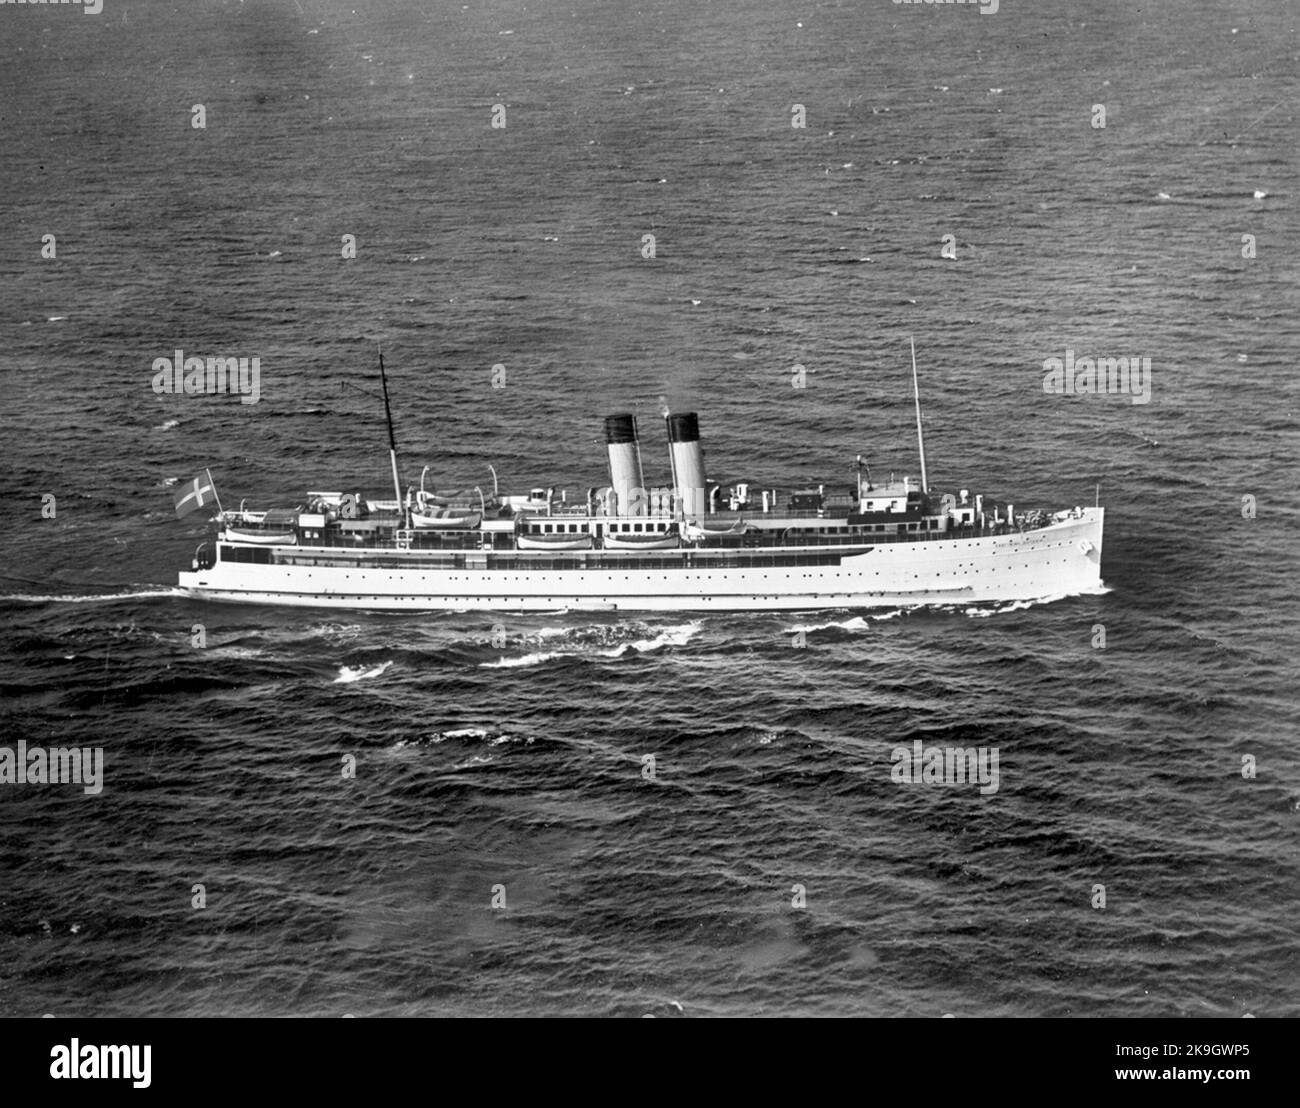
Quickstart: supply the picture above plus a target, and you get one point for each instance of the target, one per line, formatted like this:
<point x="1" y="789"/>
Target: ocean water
<point x="504" y="758"/>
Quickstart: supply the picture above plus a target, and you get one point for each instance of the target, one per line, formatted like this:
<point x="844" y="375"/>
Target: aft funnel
<point x="625" y="465"/>
<point x="688" y="463"/>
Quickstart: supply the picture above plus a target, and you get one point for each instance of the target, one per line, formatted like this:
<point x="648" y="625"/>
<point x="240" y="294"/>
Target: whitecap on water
<point x="232" y="651"/>
<point x="347" y="674"/>
<point x="526" y="660"/>
<point x="853" y="623"/>
<point x="677" y="635"/>
<point x="672" y="636"/>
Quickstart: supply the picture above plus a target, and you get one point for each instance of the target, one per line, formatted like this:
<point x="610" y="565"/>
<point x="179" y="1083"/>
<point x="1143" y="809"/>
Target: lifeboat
<point x="266" y="538"/>
<point x="654" y="540"/>
<point x="698" y="532"/>
<point x="553" y="542"/>
<point x="456" y="519"/>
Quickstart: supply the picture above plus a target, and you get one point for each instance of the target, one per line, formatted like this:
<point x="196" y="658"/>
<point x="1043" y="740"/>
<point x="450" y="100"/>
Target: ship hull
<point x="1059" y="560"/>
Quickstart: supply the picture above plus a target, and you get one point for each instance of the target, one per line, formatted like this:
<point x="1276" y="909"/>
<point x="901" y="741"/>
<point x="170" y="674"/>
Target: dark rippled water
<point x="518" y="762"/>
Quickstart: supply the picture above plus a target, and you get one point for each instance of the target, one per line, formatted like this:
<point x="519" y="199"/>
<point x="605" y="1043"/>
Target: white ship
<point x="691" y="545"/>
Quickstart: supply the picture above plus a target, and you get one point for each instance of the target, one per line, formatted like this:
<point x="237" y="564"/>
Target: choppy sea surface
<point x="503" y="760"/>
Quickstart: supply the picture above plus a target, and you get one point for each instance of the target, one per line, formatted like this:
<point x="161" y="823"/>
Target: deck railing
<point x="753" y="540"/>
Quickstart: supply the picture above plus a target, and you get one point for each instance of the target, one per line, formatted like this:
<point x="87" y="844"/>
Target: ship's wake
<point x="91" y="598"/>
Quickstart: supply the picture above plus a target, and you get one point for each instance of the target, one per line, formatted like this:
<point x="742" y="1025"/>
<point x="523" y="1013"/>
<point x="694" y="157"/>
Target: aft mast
<point x="920" y="435"/>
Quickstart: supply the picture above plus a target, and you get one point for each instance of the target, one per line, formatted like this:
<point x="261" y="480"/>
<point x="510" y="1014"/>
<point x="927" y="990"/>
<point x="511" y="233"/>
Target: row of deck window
<point x="581" y="529"/>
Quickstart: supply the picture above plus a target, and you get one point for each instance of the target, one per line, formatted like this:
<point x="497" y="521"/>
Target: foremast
<point x="392" y="442"/>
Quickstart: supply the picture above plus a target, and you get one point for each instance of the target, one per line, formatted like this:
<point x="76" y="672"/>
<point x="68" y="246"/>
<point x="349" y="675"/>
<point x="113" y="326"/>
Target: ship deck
<point x="526" y="561"/>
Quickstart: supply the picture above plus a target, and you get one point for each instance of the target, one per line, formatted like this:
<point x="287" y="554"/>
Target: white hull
<point x="1058" y="560"/>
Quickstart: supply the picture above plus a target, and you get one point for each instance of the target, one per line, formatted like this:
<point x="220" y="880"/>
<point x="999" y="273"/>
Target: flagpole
<point x="215" y="494"/>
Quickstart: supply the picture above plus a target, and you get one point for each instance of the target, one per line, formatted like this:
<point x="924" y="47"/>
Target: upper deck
<point x="527" y="531"/>
<point x="783" y="541"/>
